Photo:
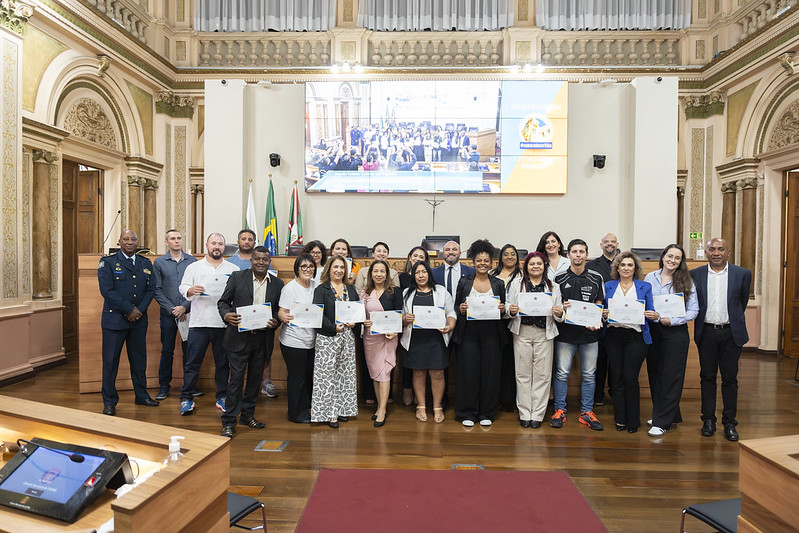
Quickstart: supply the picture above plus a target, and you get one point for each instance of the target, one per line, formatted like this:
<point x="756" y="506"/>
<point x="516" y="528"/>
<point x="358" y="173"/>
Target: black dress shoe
<point x="149" y="402"/>
<point x="228" y="431"/>
<point x="109" y="410"/>
<point x="632" y="430"/>
<point x="381" y="423"/>
<point x="374" y="417"/>
<point x="620" y="427"/>
<point x="333" y="424"/>
<point x="343" y="419"/>
<point x="253" y="423"/>
<point x="708" y="428"/>
<point x="535" y="424"/>
<point x="304" y="420"/>
<point x="524" y="423"/>
<point x="730" y="433"/>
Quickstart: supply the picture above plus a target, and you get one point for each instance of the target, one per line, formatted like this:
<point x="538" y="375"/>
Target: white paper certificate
<point x="214" y="284"/>
<point x="306" y="315"/>
<point x="482" y="308"/>
<point x="586" y="314"/>
<point x="350" y="312"/>
<point x="386" y="322"/>
<point x="624" y="311"/>
<point x="535" y="303"/>
<point x="254" y="316"/>
<point x="670" y="305"/>
<point x="429" y="317"/>
<point x="183" y="327"/>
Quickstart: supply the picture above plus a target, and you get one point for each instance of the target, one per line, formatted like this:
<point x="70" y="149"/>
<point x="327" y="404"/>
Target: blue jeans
<point x="198" y="341"/>
<point x="564" y="352"/>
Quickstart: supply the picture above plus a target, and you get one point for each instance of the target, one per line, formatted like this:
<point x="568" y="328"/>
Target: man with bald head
<point x="719" y="332"/>
<point x="128" y="286"/>
<point x="452" y="271"/>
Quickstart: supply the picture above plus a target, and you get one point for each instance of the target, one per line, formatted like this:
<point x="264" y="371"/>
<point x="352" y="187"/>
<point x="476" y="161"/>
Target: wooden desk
<point x="189" y="496"/>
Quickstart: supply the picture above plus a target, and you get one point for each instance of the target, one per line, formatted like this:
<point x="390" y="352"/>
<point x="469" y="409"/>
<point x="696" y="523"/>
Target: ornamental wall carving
<point x="787" y="130"/>
<point x="87" y="120"/>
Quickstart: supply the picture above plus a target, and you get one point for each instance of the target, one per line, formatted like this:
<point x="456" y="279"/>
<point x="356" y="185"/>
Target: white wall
<point x="601" y="121"/>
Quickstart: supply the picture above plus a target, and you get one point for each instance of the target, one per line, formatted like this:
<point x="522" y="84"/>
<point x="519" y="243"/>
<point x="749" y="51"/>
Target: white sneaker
<point x="649" y="422"/>
<point x="655" y="431"/>
<point x="468" y="423"/>
<point x="485" y="422"/>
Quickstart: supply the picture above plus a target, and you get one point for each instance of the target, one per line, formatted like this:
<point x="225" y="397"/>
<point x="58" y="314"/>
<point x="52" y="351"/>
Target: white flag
<point x="251" y="223"/>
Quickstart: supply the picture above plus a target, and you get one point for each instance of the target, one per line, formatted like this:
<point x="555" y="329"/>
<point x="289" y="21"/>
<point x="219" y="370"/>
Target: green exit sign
<point x="695" y="235"/>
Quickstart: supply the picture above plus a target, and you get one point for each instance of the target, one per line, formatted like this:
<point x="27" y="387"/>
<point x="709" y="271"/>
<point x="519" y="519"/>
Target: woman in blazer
<point x="479" y="342"/>
<point x="380" y="294"/>
<point x="334" y="396"/>
<point x="426" y="349"/>
<point x="627" y="344"/>
<point x="416" y="254"/>
<point x="533" y="339"/>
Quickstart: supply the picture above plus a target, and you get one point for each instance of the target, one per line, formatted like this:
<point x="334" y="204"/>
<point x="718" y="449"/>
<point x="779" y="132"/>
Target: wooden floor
<point x="633" y="482"/>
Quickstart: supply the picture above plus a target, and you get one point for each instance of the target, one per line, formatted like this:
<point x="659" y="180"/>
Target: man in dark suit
<point x="719" y="332"/>
<point x="248" y="351"/>
<point x="449" y="274"/>
<point x="127" y="285"/>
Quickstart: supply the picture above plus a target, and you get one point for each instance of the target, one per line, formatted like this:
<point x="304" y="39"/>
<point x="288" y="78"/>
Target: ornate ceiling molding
<point x="174" y="105"/>
<point x="704" y="106"/>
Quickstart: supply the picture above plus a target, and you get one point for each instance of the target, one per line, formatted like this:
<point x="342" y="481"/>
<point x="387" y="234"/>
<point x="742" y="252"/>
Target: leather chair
<point x="240" y="506"/>
<point x="722" y="515"/>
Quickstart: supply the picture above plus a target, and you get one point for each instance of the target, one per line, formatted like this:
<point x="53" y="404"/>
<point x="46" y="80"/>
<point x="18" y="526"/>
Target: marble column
<point x="680" y="214"/>
<point x="134" y="206"/>
<point x="198" y="193"/>
<point x="749" y="225"/>
<point x="42" y="280"/>
<point x="150" y="215"/>
<point x="728" y="191"/>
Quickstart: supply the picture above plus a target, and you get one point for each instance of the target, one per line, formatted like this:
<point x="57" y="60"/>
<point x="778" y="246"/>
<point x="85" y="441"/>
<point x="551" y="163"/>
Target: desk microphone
<point x="74" y="457"/>
<point x="110" y="230"/>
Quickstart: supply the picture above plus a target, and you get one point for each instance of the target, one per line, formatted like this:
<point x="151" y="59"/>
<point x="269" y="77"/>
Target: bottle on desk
<point x="174" y="451"/>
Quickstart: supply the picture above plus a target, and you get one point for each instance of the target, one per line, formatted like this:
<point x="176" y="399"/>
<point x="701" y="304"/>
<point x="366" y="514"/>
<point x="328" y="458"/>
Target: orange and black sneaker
<point x="589" y="419"/>
<point x="558" y="419"/>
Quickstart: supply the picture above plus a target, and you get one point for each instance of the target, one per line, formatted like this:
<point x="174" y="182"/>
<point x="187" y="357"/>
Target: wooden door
<point x="82" y="231"/>
<point x="790" y="320"/>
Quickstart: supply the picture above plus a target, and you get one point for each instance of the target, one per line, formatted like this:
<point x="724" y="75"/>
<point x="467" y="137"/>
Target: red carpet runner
<point x="446" y="500"/>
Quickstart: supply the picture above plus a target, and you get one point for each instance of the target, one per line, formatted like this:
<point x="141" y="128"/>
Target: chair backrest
<point x="360" y="251"/>
<point x="295" y="249"/>
<point x="722" y="514"/>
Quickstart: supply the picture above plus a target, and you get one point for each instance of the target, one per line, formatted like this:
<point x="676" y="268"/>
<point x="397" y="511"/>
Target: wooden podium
<point x="190" y="496"/>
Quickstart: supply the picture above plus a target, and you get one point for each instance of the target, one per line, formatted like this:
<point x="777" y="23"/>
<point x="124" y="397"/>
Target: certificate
<point x="623" y="311"/>
<point x="429" y="317"/>
<point x="586" y="314"/>
<point x="350" y="312"/>
<point x="482" y="308"/>
<point x="670" y="305"/>
<point x="535" y="303"/>
<point x="183" y="327"/>
<point x="385" y="322"/>
<point x="254" y="316"/>
<point x="306" y="315"/>
<point x="214" y="284"/>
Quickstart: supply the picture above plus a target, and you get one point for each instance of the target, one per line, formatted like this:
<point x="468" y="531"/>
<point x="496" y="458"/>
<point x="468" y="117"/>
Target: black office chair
<point x="295" y="249"/>
<point x="722" y="515"/>
<point x="360" y="251"/>
<point x="240" y="506"/>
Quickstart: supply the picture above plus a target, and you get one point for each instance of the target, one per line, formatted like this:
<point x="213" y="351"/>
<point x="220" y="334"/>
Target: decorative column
<point x="682" y="176"/>
<point x="749" y="225"/>
<point x="134" y="204"/>
<point x="42" y="281"/>
<point x="728" y="191"/>
<point x="198" y="197"/>
<point x="150" y="214"/>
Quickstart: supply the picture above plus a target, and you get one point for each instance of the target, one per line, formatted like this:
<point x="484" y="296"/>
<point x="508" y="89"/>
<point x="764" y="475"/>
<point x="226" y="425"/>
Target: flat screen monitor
<point x="59" y="480"/>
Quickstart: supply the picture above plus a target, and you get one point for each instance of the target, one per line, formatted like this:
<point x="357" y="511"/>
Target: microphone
<point x="74" y="457"/>
<point x="119" y="211"/>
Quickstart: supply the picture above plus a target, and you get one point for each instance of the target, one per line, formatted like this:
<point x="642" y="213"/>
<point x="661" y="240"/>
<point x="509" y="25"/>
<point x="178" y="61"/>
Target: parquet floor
<point x="633" y="482"/>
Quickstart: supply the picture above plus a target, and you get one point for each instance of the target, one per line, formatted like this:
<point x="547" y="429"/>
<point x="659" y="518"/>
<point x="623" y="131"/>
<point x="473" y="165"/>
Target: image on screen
<point x="51" y="476"/>
<point x="436" y="136"/>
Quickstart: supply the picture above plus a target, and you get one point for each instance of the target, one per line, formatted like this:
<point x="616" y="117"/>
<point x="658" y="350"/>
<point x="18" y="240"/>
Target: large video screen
<point x="507" y="137"/>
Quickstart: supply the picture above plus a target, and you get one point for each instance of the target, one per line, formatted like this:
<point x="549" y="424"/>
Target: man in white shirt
<point x="202" y="284"/>
<point x="719" y="332"/>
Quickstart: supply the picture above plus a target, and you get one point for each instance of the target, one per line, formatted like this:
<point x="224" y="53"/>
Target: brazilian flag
<point x="270" y="226"/>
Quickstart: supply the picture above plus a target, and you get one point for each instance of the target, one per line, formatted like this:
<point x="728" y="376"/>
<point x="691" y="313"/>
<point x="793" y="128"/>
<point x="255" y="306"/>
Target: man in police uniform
<point x="127" y="285"/>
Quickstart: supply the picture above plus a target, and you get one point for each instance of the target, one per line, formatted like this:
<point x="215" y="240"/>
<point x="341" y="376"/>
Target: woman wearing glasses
<point x="318" y="251"/>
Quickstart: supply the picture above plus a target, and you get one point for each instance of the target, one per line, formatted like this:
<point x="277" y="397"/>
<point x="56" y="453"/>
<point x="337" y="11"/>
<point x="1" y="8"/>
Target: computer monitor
<point x="59" y="480"/>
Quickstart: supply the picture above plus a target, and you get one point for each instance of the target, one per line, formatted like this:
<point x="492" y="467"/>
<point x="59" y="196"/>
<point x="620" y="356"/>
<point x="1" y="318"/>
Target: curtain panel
<point x="264" y="15"/>
<point x="612" y="14"/>
<point x="435" y="15"/>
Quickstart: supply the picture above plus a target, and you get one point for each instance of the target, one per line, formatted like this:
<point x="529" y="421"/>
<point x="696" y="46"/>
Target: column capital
<point x="149" y="184"/>
<point x="174" y="105"/>
<point x="681" y="191"/>
<point x="198" y="189"/>
<point x="738" y="169"/>
<point x="135" y="181"/>
<point x="747" y="183"/>
<point x="45" y="156"/>
<point x="704" y="105"/>
<point x="14" y="14"/>
<point x="729" y="187"/>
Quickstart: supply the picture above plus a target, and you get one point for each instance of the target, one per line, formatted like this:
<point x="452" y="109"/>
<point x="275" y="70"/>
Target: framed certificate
<point x="306" y="315"/>
<point x="535" y="303"/>
<point x="429" y="317"/>
<point x="350" y="312"/>
<point x="670" y="305"/>
<point x="587" y="314"/>
<point x="254" y="316"/>
<point x="482" y="308"/>
<point x="385" y="322"/>
<point x="624" y="311"/>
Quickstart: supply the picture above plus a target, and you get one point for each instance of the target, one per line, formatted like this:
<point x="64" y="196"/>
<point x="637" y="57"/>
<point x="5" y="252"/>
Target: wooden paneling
<point x="69" y="260"/>
<point x="790" y="322"/>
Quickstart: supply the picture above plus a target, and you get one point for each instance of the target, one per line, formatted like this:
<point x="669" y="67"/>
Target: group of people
<point x="506" y="355"/>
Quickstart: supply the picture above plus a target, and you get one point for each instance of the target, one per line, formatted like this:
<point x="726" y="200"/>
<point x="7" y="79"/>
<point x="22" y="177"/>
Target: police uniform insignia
<point x="147" y="271"/>
<point x="101" y="265"/>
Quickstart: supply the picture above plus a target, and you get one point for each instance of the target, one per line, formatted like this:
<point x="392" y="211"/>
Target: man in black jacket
<point x="247" y="350"/>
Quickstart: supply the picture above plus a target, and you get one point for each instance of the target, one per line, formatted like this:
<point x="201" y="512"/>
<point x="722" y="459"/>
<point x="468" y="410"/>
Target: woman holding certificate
<point x="296" y="342"/>
<point x="534" y="303"/>
<point x="480" y="301"/>
<point x="507" y="270"/>
<point x="628" y="306"/>
<point x="551" y="246"/>
<point x="383" y="302"/>
<point x="334" y="396"/>
<point x="428" y="318"/>
<point x="675" y="298"/>
<point x="416" y="254"/>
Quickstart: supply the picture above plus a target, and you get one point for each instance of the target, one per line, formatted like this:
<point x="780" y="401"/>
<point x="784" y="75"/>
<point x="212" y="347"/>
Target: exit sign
<point x="695" y="235"/>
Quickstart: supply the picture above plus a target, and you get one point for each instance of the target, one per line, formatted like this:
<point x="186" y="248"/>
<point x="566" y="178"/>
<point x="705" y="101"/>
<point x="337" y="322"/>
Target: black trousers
<point x="169" y="332"/>
<point x="299" y="367"/>
<point x="670" y="350"/>
<point x="601" y="375"/>
<point x="719" y="353"/>
<point x="626" y="353"/>
<point x="135" y="340"/>
<point x="507" y="380"/>
<point x="244" y="384"/>
<point x="478" y="372"/>
<point x="367" y="388"/>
